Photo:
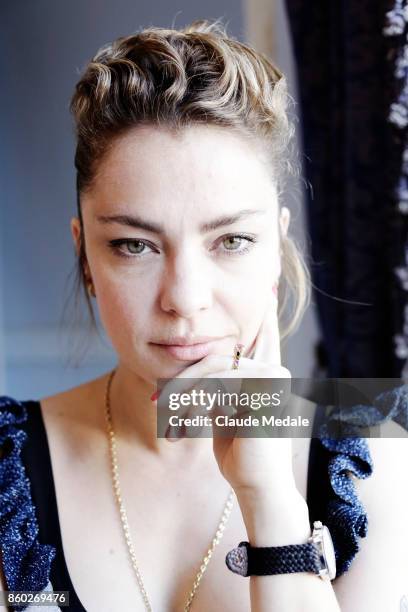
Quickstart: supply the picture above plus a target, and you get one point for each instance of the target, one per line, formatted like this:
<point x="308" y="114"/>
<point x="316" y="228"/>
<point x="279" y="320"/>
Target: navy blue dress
<point x="30" y="536"/>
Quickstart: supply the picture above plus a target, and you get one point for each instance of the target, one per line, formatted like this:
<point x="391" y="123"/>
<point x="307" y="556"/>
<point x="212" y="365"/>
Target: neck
<point x="134" y="419"/>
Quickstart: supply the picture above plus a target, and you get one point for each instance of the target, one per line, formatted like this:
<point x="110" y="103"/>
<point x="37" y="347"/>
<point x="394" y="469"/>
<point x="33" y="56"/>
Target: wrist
<point x="273" y="519"/>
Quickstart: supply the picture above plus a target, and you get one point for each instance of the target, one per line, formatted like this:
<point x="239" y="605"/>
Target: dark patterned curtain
<point x="346" y="55"/>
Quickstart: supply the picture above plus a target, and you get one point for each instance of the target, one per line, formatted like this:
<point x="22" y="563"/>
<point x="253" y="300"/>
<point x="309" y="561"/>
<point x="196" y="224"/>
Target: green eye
<point x="126" y="247"/>
<point x="130" y="245"/>
<point x="235" y="241"/>
<point x="230" y="241"/>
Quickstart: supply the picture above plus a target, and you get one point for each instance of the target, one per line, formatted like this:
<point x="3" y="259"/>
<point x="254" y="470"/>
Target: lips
<point x="190" y="352"/>
<point x="185" y="340"/>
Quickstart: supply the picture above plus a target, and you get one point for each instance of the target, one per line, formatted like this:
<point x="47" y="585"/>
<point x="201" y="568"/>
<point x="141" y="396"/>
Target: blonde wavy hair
<point x="178" y="78"/>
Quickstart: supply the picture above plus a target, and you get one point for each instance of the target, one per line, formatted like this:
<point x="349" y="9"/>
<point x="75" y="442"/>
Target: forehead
<point x="201" y="166"/>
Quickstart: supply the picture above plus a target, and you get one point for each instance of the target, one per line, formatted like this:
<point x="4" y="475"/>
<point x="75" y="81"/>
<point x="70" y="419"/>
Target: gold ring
<point x="237" y="355"/>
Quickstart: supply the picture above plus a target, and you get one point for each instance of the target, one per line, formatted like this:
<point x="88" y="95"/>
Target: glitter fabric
<point x="27" y="562"/>
<point x="345" y="516"/>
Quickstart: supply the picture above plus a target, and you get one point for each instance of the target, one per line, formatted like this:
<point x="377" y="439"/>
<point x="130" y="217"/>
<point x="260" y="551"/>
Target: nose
<point x="186" y="286"/>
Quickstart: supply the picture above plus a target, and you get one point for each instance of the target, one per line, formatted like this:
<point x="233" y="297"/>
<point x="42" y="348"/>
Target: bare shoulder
<point x="77" y="402"/>
<point x="72" y="418"/>
<point x="390" y="457"/>
<point x="389" y="454"/>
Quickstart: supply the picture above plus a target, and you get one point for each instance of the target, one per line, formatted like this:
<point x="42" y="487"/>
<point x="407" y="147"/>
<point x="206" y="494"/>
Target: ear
<point x="76" y="233"/>
<point x="284" y="219"/>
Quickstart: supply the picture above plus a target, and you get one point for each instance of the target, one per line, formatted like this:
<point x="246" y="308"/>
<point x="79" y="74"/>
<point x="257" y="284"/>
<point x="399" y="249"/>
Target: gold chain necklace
<point x="123" y="515"/>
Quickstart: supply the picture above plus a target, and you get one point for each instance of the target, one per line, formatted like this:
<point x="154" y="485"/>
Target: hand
<point x="260" y="464"/>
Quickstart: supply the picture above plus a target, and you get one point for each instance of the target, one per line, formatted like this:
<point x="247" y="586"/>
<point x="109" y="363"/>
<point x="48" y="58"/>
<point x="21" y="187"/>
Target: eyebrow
<point x="139" y="223"/>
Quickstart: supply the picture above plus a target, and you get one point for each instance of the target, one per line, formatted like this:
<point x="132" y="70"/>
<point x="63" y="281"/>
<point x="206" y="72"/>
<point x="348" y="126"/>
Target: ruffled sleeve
<point x="346" y="517"/>
<point x="26" y="562"/>
<point x="350" y="457"/>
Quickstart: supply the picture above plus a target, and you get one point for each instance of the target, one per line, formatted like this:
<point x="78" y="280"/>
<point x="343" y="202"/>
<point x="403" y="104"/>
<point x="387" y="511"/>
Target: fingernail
<point x="155" y="396"/>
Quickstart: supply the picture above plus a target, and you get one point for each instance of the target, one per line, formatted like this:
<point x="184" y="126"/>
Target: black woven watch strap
<point x="267" y="561"/>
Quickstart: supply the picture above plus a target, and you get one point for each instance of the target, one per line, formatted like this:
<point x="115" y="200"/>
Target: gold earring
<point x="90" y="288"/>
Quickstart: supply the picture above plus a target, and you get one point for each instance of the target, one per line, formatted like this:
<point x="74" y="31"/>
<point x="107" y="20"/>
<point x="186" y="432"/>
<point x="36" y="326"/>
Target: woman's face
<point x="182" y="239"/>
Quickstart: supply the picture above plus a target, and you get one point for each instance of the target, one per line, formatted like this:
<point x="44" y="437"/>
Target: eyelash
<point x="116" y="244"/>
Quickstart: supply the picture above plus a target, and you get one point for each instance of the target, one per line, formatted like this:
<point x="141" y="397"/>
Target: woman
<point x="182" y="143"/>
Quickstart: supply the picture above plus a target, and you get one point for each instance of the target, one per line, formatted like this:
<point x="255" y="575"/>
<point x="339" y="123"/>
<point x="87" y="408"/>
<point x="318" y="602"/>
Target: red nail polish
<point x="155" y="396"/>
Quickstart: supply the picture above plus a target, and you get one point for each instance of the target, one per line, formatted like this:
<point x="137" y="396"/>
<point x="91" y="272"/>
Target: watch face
<point x="328" y="552"/>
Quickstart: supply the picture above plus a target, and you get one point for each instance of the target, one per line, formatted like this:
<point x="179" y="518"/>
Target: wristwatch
<point x="317" y="556"/>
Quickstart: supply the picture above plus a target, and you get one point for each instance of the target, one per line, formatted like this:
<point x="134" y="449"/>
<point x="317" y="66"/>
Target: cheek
<point x="124" y="311"/>
<point x="253" y="281"/>
<point x="247" y="301"/>
<point x="257" y="293"/>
